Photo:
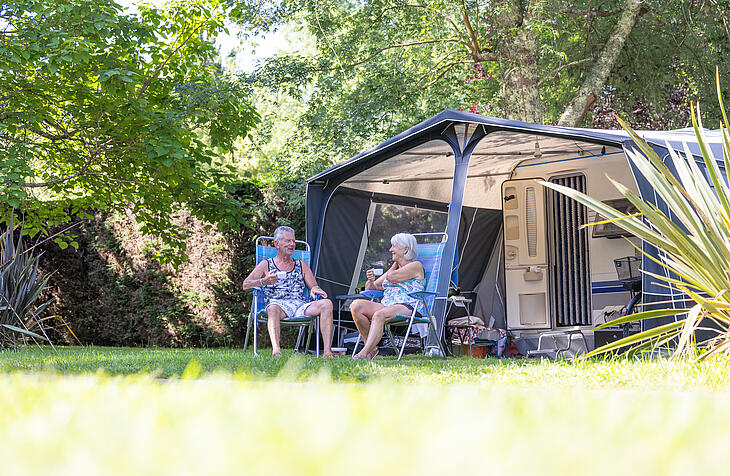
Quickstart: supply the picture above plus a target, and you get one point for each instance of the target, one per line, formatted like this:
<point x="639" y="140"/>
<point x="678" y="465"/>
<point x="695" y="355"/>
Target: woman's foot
<point x="372" y="354"/>
<point x="359" y="357"/>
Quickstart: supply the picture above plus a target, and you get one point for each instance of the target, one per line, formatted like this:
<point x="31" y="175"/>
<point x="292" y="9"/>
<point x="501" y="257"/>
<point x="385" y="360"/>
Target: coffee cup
<point x="378" y="271"/>
<point x="280" y="275"/>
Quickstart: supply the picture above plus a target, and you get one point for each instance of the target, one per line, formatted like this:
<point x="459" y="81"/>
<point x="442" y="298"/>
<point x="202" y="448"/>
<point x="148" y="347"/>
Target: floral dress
<point x="397" y="293"/>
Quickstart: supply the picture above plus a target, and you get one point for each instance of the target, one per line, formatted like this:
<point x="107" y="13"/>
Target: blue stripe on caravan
<point x="605" y="287"/>
<point x="608" y="290"/>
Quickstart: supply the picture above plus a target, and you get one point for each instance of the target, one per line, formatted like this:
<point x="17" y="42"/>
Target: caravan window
<point x="389" y="220"/>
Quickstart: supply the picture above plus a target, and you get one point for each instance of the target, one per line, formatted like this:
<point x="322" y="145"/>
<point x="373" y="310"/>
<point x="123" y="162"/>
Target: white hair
<point x="406" y="240"/>
<point x="281" y="230"/>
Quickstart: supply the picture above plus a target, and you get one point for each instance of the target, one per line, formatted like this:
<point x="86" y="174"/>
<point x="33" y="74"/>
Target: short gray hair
<point x="281" y="230"/>
<point x="406" y="240"/>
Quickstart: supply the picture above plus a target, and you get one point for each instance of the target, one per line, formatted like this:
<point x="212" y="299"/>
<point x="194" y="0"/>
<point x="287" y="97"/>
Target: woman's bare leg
<point x="362" y="311"/>
<point x="380" y="318"/>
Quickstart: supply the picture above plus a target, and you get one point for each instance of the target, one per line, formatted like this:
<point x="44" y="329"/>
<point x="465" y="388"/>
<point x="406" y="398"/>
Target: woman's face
<point x="397" y="251"/>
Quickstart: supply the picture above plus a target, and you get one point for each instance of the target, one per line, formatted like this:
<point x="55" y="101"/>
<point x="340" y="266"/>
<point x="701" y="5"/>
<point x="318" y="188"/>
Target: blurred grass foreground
<point x="218" y="411"/>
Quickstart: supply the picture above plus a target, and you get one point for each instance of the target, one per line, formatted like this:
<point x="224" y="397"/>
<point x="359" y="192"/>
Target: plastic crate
<point x="627" y="269"/>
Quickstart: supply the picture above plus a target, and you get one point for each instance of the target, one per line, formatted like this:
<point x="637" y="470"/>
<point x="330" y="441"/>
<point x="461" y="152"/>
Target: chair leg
<point x="255" y="331"/>
<point x="408" y="332"/>
<point x="392" y="339"/>
<point x="300" y="338"/>
<point x="309" y="336"/>
<point x="316" y="334"/>
<point x="354" y="351"/>
<point x="432" y="322"/>
<point x="248" y="332"/>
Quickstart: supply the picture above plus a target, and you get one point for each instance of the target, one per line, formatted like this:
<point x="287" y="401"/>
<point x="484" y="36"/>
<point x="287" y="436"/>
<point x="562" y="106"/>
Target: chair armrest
<point x="371" y="294"/>
<point x="256" y="290"/>
<point x="422" y="294"/>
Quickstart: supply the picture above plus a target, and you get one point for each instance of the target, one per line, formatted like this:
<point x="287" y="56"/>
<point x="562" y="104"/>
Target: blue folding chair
<point x="258" y="312"/>
<point x="429" y="254"/>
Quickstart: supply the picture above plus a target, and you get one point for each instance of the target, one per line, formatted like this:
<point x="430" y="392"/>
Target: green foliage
<point x="99" y="110"/>
<point x="21" y="284"/>
<point x="694" y="241"/>
<point x="379" y="67"/>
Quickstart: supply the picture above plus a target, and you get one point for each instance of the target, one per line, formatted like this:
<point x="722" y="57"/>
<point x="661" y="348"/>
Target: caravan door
<point x="525" y="253"/>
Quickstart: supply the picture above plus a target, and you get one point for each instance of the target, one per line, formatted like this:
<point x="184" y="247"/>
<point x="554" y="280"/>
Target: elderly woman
<point x="404" y="276"/>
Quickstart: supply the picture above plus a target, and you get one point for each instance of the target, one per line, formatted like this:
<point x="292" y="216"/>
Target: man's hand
<point x="317" y="291"/>
<point x="269" y="279"/>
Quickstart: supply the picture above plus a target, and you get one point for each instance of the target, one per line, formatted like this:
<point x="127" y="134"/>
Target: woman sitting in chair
<point x="404" y="276"/>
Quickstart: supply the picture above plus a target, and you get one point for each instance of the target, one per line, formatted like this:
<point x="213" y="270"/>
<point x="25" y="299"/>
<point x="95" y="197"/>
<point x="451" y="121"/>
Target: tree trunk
<point x="518" y="53"/>
<point x="596" y="78"/>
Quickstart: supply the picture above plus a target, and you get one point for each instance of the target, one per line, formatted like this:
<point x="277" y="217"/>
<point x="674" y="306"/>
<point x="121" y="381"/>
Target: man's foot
<point x="328" y="355"/>
<point x="276" y="354"/>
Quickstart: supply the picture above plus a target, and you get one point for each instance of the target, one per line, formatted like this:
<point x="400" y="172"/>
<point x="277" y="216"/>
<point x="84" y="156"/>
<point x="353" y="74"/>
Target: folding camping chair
<point x="429" y="254"/>
<point x="258" y="312"/>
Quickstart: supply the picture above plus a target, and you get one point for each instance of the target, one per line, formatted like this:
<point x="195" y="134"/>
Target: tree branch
<point x="172" y="53"/>
<point x="444" y="70"/>
<point x="475" y="50"/>
<point x="390" y="47"/>
<point x="557" y="70"/>
<point x="591" y="12"/>
<point x="605" y="62"/>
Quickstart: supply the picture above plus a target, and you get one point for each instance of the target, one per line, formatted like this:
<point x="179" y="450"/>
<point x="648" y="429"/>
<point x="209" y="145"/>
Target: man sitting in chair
<point x="286" y="296"/>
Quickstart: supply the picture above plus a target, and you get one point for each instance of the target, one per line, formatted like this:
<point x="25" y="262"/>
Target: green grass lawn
<point x="219" y="411"/>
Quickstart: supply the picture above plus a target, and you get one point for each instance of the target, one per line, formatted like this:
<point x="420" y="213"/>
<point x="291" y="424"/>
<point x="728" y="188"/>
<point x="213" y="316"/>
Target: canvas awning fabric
<point x="418" y="167"/>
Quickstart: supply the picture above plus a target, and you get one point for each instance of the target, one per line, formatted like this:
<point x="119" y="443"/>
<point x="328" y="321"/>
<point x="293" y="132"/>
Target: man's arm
<point x="259" y="277"/>
<point x="311" y="282"/>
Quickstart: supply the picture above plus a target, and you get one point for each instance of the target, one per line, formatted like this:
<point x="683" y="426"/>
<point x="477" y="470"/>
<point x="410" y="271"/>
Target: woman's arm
<point x="413" y="270"/>
<point x="373" y="283"/>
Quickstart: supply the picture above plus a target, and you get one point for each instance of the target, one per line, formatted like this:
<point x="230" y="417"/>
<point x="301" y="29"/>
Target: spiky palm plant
<point x="21" y="284"/>
<point x="696" y="243"/>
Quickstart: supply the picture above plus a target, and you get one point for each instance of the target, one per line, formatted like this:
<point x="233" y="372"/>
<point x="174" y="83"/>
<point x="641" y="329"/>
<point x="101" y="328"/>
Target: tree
<point x="100" y="110"/>
<point x="383" y="65"/>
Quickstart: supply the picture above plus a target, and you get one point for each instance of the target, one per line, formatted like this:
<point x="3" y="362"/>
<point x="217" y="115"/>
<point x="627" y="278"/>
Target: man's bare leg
<point x="323" y="309"/>
<point x="276" y="314"/>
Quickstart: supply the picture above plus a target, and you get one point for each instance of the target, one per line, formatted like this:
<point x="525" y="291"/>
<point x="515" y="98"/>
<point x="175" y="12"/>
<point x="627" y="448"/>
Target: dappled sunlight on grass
<point x="222" y="411"/>
<point x="171" y="363"/>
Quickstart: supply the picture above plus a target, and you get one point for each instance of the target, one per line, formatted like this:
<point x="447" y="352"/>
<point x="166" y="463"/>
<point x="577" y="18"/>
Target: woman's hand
<point x="370" y="274"/>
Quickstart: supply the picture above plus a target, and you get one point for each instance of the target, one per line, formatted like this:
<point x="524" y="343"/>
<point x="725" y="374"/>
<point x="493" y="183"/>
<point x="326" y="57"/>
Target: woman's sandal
<point x="372" y="354"/>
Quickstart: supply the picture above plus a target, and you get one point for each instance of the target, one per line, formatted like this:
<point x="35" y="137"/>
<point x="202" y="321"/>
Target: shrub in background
<point x="21" y="284"/>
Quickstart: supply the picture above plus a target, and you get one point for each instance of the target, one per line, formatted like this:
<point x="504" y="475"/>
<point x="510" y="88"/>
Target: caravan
<point x="519" y="248"/>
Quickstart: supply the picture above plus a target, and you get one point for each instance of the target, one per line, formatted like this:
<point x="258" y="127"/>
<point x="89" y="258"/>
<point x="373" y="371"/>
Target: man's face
<point x="285" y="244"/>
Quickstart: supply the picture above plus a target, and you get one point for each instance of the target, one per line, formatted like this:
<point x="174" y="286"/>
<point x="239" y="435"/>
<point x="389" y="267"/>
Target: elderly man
<point x="285" y="296"/>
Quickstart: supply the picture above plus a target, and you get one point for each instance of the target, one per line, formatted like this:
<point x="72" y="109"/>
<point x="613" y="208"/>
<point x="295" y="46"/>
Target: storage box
<point x="477" y="352"/>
